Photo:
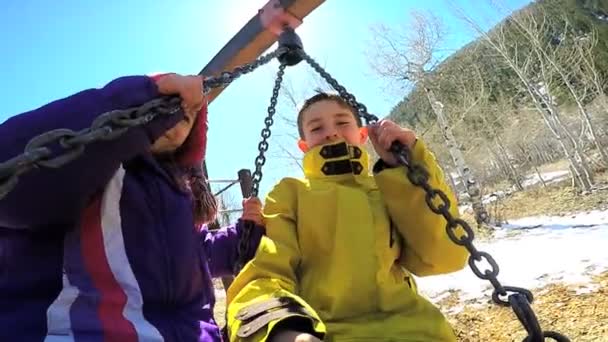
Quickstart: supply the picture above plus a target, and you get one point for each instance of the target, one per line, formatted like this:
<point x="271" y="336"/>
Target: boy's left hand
<point x="384" y="133"/>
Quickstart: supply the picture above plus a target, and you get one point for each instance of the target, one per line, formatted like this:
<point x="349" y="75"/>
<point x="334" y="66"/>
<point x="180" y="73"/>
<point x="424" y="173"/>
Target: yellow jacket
<point x="333" y="256"/>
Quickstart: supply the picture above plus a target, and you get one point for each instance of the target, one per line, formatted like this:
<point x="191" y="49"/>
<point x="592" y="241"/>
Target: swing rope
<point x="111" y="125"/>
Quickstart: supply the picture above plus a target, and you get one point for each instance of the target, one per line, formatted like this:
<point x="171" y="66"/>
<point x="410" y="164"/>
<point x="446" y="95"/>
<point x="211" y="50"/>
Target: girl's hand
<point x="188" y="87"/>
<point x="252" y="210"/>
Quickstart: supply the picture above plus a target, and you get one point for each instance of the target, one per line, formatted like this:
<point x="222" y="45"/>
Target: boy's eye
<point x="342" y="123"/>
<point x="314" y="129"/>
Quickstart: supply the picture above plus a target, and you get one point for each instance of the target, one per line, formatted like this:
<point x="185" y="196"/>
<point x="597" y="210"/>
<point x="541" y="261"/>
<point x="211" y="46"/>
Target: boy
<point x="342" y="242"/>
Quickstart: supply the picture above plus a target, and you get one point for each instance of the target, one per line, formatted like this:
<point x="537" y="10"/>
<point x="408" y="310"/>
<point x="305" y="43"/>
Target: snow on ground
<point x="530" y="180"/>
<point x="532" y="252"/>
<point x="548" y="177"/>
<point x="493" y="197"/>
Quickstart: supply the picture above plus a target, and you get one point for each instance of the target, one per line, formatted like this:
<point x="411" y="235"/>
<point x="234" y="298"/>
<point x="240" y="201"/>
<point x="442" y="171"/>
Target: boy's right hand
<point x="294" y="336"/>
<point x="384" y="134"/>
<point x="252" y="210"/>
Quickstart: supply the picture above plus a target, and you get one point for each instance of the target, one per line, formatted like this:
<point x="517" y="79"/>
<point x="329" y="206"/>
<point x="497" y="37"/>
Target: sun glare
<point x="239" y="12"/>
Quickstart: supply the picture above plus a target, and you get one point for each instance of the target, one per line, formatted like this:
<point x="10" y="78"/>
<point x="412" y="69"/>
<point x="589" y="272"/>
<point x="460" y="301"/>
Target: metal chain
<point x="518" y="299"/>
<point x="71" y="144"/>
<point x="226" y="77"/>
<point x="243" y="246"/>
<point x="260" y="160"/>
<point x="108" y="126"/>
<point x="348" y="97"/>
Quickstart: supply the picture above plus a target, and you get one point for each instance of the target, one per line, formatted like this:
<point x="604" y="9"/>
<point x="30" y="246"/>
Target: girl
<point x="110" y="246"/>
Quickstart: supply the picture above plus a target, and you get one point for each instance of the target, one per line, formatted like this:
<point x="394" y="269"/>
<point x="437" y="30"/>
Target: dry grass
<point x="581" y="317"/>
<point x="505" y="184"/>
<point x="557" y="166"/>
<point x="556" y="199"/>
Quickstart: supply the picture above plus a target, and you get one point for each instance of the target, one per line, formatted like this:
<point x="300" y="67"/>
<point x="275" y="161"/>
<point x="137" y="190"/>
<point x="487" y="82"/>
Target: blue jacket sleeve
<point x="221" y="247"/>
<point x="55" y="197"/>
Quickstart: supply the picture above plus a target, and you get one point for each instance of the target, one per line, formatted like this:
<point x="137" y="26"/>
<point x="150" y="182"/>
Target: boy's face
<point x="327" y="121"/>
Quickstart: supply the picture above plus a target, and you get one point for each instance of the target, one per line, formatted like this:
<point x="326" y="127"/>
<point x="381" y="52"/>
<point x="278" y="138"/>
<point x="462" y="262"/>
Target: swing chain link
<point x="227" y="77"/>
<point x="260" y="160"/>
<point x="348" y="97"/>
<point x="518" y="299"/>
<point x="57" y="147"/>
<point x="243" y="246"/>
<point x="287" y="55"/>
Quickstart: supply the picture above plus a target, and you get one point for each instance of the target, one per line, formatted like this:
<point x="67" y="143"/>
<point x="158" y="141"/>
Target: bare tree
<point x="291" y="105"/>
<point x="536" y="77"/>
<point x="590" y="74"/>
<point x="560" y="56"/>
<point x="409" y="57"/>
<point x="477" y="107"/>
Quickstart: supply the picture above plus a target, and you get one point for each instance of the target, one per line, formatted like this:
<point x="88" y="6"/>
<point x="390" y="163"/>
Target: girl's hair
<point x="324" y="96"/>
<point x="204" y="206"/>
<point x="191" y="179"/>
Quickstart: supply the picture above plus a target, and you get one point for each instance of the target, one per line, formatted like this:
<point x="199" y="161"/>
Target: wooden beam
<point x="257" y="36"/>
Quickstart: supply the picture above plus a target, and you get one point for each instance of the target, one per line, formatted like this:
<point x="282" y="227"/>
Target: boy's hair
<point x="325" y="96"/>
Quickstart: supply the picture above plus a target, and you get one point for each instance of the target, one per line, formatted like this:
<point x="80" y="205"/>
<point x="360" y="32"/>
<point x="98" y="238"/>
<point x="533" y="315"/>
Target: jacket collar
<point x="336" y="160"/>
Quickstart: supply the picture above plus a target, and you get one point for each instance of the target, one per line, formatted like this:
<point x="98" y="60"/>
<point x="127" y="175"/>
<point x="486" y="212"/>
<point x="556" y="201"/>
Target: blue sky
<point x="51" y="49"/>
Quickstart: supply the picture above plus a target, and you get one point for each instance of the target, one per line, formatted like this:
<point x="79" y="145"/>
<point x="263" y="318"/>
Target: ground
<point x="555" y="199"/>
<point x="578" y="310"/>
<point x="573" y="302"/>
<point x="580" y="316"/>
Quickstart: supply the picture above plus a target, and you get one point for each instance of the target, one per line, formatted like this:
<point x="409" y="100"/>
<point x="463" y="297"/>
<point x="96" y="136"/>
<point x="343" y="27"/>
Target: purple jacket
<point x="104" y="248"/>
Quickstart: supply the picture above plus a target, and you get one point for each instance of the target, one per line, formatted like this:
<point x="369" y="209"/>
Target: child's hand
<point x="384" y="133"/>
<point x="252" y="210"/>
<point x="294" y="336"/>
<point x="189" y="88"/>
